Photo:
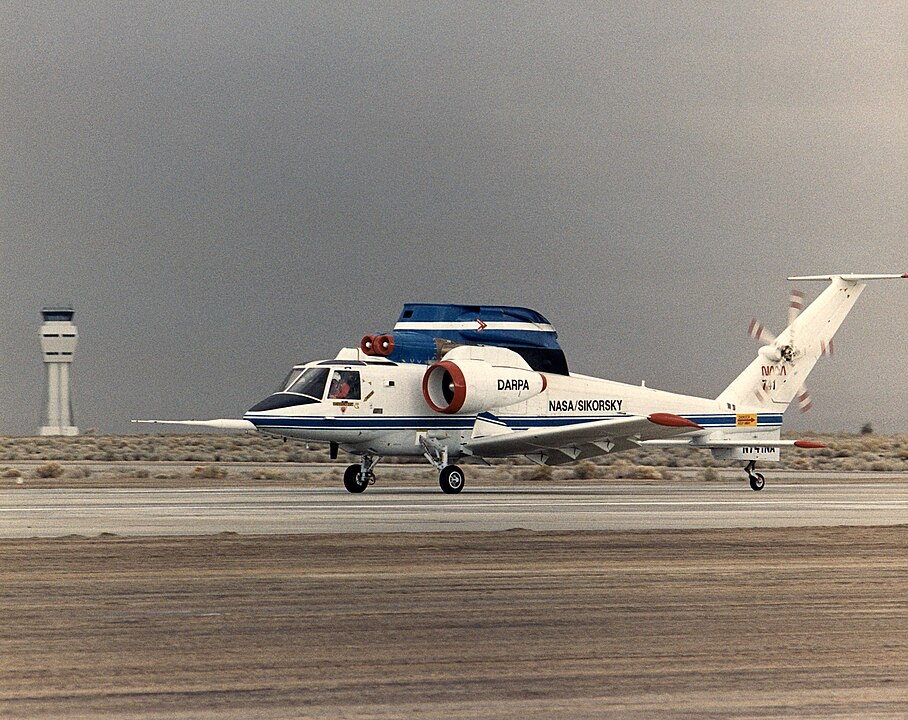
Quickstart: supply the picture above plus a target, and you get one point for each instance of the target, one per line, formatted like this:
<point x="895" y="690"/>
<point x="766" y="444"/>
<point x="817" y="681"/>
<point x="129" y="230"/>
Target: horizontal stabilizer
<point x="851" y="277"/>
<point x="219" y="423"/>
<point x="803" y="444"/>
<point x="752" y="442"/>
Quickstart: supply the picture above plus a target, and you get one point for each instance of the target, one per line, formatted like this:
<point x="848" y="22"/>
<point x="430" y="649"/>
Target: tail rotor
<point x="758" y="331"/>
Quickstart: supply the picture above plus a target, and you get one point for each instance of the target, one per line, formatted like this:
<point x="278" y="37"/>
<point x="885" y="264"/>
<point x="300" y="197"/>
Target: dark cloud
<point x="223" y="189"/>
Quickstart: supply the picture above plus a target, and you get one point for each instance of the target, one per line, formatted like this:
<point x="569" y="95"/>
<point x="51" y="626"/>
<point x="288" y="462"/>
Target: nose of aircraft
<point x="279" y="400"/>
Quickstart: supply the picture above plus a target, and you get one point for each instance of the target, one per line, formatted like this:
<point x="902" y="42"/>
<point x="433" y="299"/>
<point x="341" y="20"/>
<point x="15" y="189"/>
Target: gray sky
<point x="222" y="189"/>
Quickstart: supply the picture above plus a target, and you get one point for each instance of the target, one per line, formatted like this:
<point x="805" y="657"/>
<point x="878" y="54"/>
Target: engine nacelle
<point x="471" y="386"/>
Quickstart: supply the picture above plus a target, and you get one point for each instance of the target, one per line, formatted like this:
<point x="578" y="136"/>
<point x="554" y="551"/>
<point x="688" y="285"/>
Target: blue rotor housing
<point x="425" y="331"/>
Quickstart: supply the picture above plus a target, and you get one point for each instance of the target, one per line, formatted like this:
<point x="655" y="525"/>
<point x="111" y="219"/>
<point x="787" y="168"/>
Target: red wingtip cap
<point x="809" y="444"/>
<point x="671" y="420"/>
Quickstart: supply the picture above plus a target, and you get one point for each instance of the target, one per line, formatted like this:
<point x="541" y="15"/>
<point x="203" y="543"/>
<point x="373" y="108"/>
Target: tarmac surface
<point x="613" y="599"/>
<point x="612" y="505"/>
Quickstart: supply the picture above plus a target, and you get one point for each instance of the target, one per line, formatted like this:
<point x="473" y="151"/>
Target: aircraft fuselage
<point x="384" y="410"/>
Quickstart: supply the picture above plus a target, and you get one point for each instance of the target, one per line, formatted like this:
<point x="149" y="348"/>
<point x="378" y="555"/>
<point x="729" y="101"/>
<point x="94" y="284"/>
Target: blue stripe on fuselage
<point x="466" y="422"/>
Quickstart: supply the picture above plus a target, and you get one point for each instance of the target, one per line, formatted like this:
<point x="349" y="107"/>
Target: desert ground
<point x="204" y="460"/>
<point x="758" y="623"/>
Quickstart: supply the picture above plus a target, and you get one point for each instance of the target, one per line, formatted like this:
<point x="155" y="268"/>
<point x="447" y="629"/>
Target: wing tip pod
<point x="809" y="444"/>
<point x="672" y="420"/>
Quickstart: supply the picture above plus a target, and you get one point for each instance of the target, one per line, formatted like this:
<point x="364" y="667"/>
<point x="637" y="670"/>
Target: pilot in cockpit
<point x="339" y="389"/>
<point x="344" y="385"/>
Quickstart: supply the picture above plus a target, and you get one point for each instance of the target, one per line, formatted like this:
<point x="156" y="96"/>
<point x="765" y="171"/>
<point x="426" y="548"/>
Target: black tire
<point x="757" y="481"/>
<point x="451" y="479"/>
<point x="352" y="480"/>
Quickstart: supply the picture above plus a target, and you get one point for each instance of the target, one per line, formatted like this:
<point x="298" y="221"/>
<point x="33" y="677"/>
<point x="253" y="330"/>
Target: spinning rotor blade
<point x="795" y="305"/>
<point x="804" y="401"/>
<point x="758" y="331"/>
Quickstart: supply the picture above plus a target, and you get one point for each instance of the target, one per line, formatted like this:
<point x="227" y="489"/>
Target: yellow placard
<point x="746" y="420"/>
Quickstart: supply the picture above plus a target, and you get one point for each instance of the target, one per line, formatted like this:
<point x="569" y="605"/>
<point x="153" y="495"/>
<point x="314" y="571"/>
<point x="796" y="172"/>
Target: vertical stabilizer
<point x="781" y="367"/>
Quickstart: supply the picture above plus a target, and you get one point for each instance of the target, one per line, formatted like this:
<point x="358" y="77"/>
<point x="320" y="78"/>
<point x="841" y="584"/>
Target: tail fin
<point x="774" y="378"/>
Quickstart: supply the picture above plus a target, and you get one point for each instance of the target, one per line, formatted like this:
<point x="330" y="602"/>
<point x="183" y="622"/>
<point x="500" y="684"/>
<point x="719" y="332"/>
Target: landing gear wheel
<point x="451" y="479"/>
<point x="354" y="480"/>
<point x="757" y="481"/>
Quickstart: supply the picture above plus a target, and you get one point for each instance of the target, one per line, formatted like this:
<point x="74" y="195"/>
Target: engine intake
<point x="471" y="386"/>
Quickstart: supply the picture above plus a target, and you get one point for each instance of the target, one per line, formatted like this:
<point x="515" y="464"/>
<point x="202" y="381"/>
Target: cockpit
<point x="308" y="385"/>
<point x="310" y="382"/>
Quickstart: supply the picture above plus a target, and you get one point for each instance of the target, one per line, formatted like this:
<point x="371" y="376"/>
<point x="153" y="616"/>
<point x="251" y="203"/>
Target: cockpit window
<point x="311" y="383"/>
<point x="289" y="380"/>
<point x="344" y="385"/>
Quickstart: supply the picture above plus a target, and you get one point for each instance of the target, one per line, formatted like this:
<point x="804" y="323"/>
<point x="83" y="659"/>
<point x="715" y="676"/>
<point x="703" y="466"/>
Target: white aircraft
<point x="460" y="381"/>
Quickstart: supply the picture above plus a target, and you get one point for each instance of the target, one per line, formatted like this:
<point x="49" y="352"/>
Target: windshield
<point x="311" y="383"/>
<point x="289" y="380"/>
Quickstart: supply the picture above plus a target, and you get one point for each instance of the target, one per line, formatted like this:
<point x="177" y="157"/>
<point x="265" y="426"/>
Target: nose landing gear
<point x="757" y="481"/>
<point x="358" y="477"/>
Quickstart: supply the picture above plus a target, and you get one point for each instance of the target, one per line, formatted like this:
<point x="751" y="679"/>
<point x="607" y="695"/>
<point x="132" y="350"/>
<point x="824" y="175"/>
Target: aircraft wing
<point x="219" y="423"/>
<point x="617" y="433"/>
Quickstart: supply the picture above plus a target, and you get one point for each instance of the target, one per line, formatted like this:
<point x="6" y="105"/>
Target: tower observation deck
<point x="58" y="344"/>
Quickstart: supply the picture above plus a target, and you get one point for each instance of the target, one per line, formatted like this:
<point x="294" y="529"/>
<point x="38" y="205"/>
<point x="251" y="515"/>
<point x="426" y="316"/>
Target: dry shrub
<point x="585" y="470"/>
<point x="268" y="475"/>
<point x="625" y="471"/>
<point x="208" y="472"/>
<point x="710" y="474"/>
<point x="502" y="473"/>
<point x="615" y="467"/>
<point x="642" y="472"/>
<point x="11" y="473"/>
<point x="49" y="470"/>
<point x="540" y="473"/>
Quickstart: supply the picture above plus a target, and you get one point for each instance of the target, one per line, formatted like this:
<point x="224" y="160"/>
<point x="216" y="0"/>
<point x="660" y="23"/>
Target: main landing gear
<point x="757" y="481"/>
<point x="358" y="477"/>
<point x="450" y="477"/>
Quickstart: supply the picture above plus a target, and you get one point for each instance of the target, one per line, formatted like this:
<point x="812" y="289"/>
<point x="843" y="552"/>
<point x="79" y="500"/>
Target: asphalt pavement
<point x="27" y="512"/>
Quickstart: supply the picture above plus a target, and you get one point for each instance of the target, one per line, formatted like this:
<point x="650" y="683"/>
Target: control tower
<point x="58" y="343"/>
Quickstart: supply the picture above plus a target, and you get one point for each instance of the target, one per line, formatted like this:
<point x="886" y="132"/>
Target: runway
<point x="628" y="506"/>
<point x="282" y="616"/>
